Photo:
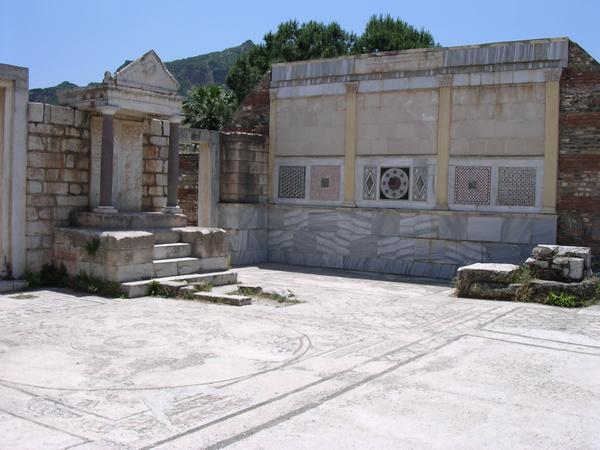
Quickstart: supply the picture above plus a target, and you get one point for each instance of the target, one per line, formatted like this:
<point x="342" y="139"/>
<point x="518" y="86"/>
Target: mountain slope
<point x="211" y="68"/>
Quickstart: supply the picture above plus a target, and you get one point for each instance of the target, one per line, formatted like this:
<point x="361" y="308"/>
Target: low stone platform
<point x="551" y="270"/>
<point x="131" y="247"/>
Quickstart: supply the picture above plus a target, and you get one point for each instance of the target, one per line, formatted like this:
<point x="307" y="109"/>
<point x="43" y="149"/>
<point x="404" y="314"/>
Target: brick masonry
<point x="579" y="152"/>
<point x="58" y="162"/>
<point x="244" y="168"/>
<point x="252" y="116"/>
<point x="188" y="186"/>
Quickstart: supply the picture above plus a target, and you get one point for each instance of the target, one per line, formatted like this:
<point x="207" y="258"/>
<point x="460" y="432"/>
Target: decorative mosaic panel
<point x="516" y="186"/>
<point x="394" y="183"/>
<point x="370" y="183"/>
<point x="420" y="183"/>
<point x="472" y="185"/>
<point x="325" y="183"/>
<point x="291" y="181"/>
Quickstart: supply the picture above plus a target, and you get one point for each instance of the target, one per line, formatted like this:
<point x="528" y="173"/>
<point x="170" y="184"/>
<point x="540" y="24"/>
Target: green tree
<point x="208" y="107"/>
<point x="384" y="34"/>
<point x="311" y="40"/>
<point x="291" y="42"/>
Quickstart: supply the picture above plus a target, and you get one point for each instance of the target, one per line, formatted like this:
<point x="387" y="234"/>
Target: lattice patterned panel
<point x="420" y="183"/>
<point x="370" y="183"/>
<point x="325" y="183"/>
<point x="472" y="185"/>
<point x="516" y="186"/>
<point x="291" y="181"/>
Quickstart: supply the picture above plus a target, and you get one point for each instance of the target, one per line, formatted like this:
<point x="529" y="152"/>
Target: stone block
<point x="584" y="253"/>
<point x="484" y="229"/>
<point x="36" y="112"/>
<point x="570" y="268"/>
<point x="127" y="239"/>
<point x="206" y="242"/>
<point x="61" y="115"/>
<point x="488" y="272"/>
<point x="129" y="273"/>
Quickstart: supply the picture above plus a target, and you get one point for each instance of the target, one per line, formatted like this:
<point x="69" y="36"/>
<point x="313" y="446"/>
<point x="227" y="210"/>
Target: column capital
<point x="178" y="118"/>
<point x="108" y="110"/>
<point x="351" y="87"/>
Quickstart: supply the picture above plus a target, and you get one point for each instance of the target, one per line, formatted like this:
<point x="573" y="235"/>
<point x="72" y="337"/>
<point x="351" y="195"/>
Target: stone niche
<point x="128" y="164"/>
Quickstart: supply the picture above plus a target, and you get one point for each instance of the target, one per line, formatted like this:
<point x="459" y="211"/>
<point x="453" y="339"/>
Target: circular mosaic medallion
<point x="394" y="183"/>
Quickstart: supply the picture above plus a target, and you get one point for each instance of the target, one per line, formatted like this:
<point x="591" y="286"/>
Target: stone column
<point x="350" y="144"/>
<point x="272" y="144"/>
<point x="551" y="132"/>
<point x="173" y="174"/>
<point x="106" y="162"/>
<point x="443" y="140"/>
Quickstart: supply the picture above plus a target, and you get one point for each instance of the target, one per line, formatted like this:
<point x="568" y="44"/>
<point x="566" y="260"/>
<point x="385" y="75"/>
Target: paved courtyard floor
<point x="360" y="363"/>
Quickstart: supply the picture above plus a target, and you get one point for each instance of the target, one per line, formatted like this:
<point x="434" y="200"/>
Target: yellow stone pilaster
<point x="272" y="142"/>
<point x="443" y="141"/>
<point x="350" y="144"/>
<point x="551" y="141"/>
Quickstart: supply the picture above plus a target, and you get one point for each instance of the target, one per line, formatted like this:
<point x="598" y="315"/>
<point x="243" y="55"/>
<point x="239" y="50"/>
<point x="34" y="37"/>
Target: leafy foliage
<point x="208" y="107"/>
<point x="561" y="299"/>
<point x="311" y="40"/>
<point x="384" y="34"/>
<point x="157" y="290"/>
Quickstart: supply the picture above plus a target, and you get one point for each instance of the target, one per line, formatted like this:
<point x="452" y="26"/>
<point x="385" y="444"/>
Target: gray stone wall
<point x="432" y="244"/>
<point x="58" y="161"/>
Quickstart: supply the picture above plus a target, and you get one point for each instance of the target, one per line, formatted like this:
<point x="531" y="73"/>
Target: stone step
<point x="176" y="266"/>
<point x="174" y="250"/>
<point x="165" y="235"/>
<point x="134" y="289"/>
<point x="228" y="299"/>
<point x="7" y="286"/>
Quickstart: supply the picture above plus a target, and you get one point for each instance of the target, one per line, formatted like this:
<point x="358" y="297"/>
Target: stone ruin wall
<point x="579" y="152"/>
<point x="244" y="168"/>
<point x="58" y="160"/>
<point x="156" y="156"/>
<point x="58" y="173"/>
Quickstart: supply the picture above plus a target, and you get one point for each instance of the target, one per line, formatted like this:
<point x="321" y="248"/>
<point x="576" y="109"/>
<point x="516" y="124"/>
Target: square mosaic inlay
<point x="369" y="183"/>
<point x="472" y="185"/>
<point x="325" y="183"/>
<point x="291" y="181"/>
<point x="420" y="183"/>
<point x="516" y="186"/>
<point x="394" y="183"/>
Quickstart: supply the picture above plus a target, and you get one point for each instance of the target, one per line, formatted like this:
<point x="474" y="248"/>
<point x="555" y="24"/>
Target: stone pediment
<point x="147" y="72"/>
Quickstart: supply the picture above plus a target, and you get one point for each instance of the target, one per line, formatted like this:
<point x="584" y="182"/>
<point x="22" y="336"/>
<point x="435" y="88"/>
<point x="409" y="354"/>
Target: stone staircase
<point x="138" y="249"/>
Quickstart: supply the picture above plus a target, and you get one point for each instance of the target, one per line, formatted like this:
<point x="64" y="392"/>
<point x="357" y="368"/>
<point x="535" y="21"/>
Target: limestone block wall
<point x="244" y="168"/>
<point x="58" y="162"/>
<point x="579" y="152"/>
<point x="311" y="125"/>
<point x="188" y="185"/>
<point x="500" y="120"/>
<point x="155" y="160"/>
<point x="397" y="123"/>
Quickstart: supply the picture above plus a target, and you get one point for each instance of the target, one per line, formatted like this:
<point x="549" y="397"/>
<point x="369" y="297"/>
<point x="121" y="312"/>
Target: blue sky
<point x="78" y="40"/>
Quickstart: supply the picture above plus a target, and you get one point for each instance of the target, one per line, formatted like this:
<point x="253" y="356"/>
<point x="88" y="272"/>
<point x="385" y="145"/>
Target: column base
<point x="105" y="210"/>
<point x="173" y="210"/>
